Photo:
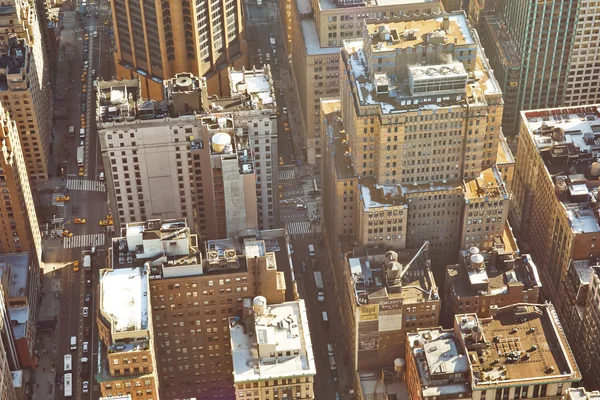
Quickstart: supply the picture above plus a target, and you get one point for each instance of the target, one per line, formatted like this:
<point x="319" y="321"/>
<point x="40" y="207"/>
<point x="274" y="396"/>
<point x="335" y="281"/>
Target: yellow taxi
<point x="109" y="217"/>
<point x="75" y="266"/>
<point x="83" y="89"/>
<point x="280" y="160"/>
<point x="81" y="171"/>
<point x="67" y="233"/>
<point x="63" y="198"/>
<point x="106" y="222"/>
<point x="79" y="221"/>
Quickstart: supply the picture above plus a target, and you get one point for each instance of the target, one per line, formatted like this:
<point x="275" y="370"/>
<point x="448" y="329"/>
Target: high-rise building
<point x="532" y="68"/>
<point x="382" y="296"/>
<point x="272" y="351"/>
<point x="7" y="390"/>
<point x="483" y="280"/>
<point x="209" y="160"/>
<point x="25" y="89"/>
<point x="193" y="294"/>
<point x="415" y="151"/>
<point x="519" y="353"/>
<point x="317" y="29"/>
<point x="555" y="198"/>
<point x="156" y="40"/>
<point x="128" y="365"/>
<point x="581" y="394"/>
<point x="20" y="231"/>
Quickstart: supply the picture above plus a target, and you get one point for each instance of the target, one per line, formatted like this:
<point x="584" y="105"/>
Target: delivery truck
<point x="80" y="156"/>
<point x="319" y="283"/>
<point x="87" y="262"/>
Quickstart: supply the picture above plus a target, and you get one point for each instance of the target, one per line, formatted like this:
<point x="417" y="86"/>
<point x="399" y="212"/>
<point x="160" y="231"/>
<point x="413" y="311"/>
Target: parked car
<point x="85" y="347"/>
<point x="88" y="297"/>
<point x="86" y="311"/>
<point x="80" y="221"/>
<point x="86" y="387"/>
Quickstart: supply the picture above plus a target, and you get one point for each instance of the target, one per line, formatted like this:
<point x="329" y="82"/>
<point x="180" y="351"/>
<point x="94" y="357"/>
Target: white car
<point x="85" y="311"/>
<point x="85" y="347"/>
<point x="86" y="386"/>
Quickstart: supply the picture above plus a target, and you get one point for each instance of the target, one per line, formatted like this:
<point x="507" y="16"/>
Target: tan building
<point x="25" y="89"/>
<point x="383" y="295"/>
<point x="418" y="136"/>
<point x="483" y="280"/>
<point x="193" y="294"/>
<point x="20" y="231"/>
<point x="272" y="351"/>
<point x="7" y="390"/>
<point x="555" y="190"/>
<point x="217" y="158"/>
<point x="157" y="40"/>
<point x="125" y="330"/>
<point x="316" y="30"/>
<point x="520" y="352"/>
<point x="581" y="394"/>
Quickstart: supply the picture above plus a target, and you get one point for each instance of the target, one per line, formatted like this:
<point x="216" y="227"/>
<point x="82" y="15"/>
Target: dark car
<point x="88" y="297"/>
<point x="83" y="107"/>
<point x="88" y="283"/>
<point x="86" y="331"/>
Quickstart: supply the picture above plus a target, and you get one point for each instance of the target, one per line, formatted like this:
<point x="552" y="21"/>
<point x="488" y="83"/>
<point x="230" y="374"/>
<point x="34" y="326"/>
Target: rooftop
<point x="338" y="140"/>
<point x="568" y="141"/>
<point x="507" y="47"/>
<point x="118" y="100"/>
<point x="124" y="298"/>
<point x="273" y="342"/>
<point x="311" y="39"/>
<point x="19" y="316"/>
<point x="374" y="386"/>
<point x="377" y="196"/>
<point x="392" y="274"/>
<point x="16" y="265"/>
<point x="487" y="185"/>
<point x="401" y="84"/>
<point x="581" y="394"/>
<point x="257" y="83"/>
<point x="493" y="274"/>
<point x="526" y="343"/>
<point x="437" y="353"/>
<point x="331" y="4"/>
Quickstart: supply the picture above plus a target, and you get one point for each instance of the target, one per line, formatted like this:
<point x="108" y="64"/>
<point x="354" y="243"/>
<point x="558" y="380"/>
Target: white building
<point x="272" y="351"/>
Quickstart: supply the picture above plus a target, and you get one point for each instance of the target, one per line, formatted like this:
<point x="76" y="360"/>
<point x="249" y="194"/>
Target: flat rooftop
<point x="568" y="141"/>
<point x="124" y="297"/>
<point x="16" y="265"/>
<point x="283" y="331"/>
<point x="487" y="185"/>
<point x="375" y="387"/>
<point x="581" y="394"/>
<point x="368" y="267"/>
<point x="338" y="140"/>
<point x="377" y="196"/>
<point x="331" y="4"/>
<point x="257" y="83"/>
<point x="437" y="353"/>
<point x="402" y="87"/>
<point x="527" y="342"/>
<point x="311" y="39"/>
<point x="508" y="50"/>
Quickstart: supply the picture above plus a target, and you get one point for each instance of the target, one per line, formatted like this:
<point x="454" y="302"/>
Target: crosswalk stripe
<point x="287" y="174"/>
<point x="92" y="239"/>
<point x="85" y="184"/>
<point x="299" y="227"/>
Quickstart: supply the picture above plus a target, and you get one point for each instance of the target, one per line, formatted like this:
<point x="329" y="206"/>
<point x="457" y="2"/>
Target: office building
<point x="382" y="295"/>
<point x="19" y="274"/>
<point x="414" y="136"/>
<point x="193" y="294"/>
<point x="154" y="43"/>
<point x="210" y="161"/>
<point x="128" y="365"/>
<point x="520" y="352"/>
<point x="482" y="280"/>
<point x="316" y="32"/>
<point x="531" y="68"/>
<point x="7" y="390"/>
<point x="581" y="394"/>
<point x="25" y="89"/>
<point x="272" y="351"/>
<point x="554" y="195"/>
<point x="20" y="231"/>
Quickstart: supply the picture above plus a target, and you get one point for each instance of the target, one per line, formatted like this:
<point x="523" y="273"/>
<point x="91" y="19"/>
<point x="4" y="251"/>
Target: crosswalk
<point x="85" y="184"/>
<point x="298" y="227"/>
<point x="287" y="174"/>
<point x="92" y="239"/>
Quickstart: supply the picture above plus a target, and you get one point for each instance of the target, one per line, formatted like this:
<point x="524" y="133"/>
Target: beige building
<point x="417" y="137"/>
<point x="193" y="293"/>
<point x="7" y="390"/>
<point x="582" y="394"/>
<point x="218" y="157"/>
<point x="20" y="231"/>
<point x="316" y="30"/>
<point x="555" y="190"/>
<point x="128" y="365"/>
<point x="157" y="40"/>
<point x="520" y="352"/>
<point x="25" y="89"/>
<point x="483" y="280"/>
<point x="272" y="351"/>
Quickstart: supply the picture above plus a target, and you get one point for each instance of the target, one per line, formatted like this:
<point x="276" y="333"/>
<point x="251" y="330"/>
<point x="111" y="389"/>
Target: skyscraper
<point x="158" y="39"/>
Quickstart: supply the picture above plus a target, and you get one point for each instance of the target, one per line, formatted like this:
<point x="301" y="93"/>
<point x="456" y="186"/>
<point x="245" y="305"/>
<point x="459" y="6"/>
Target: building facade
<point x="25" y="88"/>
<point x="156" y="40"/>
<point x="218" y="160"/>
<point x="279" y="335"/>
<point x="318" y="29"/>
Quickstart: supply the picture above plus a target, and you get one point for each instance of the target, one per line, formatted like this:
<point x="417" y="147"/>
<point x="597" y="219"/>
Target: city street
<point x="73" y="193"/>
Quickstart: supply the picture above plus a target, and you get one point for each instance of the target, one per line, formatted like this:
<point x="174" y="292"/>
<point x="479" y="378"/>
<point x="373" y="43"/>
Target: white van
<point x="325" y="318"/>
<point x="82" y="133"/>
<point x="329" y="349"/>
<point x="311" y="250"/>
<point x="300" y="206"/>
<point x="73" y="343"/>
